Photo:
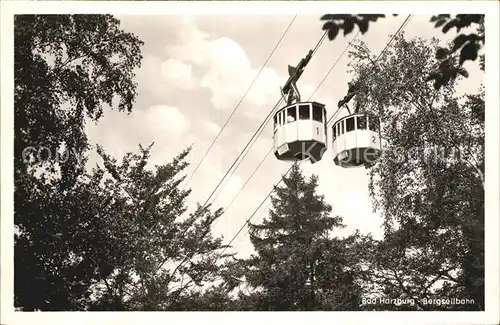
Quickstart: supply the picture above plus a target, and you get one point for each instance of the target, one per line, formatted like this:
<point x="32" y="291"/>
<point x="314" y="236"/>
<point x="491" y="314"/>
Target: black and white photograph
<point x="219" y="157"/>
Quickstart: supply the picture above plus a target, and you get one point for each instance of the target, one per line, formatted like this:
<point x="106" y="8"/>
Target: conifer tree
<point x="297" y="265"/>
<point x="142" y="229"/>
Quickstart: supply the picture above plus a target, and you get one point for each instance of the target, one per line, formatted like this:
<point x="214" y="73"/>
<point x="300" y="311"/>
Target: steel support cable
<point x="310" y="97"/>
<point x="331" y="118"/>
<point x="270" y="150"/>
<point x="454" y="143"/>
<point x="403" y="25"/>
<point x="279" y="182"/>
<point x="241" y="100"/>
<point x="270" y="193"/>
<point x="315" y="49"/>
<point x="264" y="124"/>
<point x="255" y="136"/>
<point x="246" y="182"/>
<point x="234" y="110"/>
<point x="257" y="133"/>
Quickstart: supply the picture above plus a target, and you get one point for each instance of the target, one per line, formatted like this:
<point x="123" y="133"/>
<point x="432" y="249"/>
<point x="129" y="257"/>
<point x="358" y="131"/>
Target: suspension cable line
<point x="265" y="122"/>
<point x="403" y="25"/>
<point x="241" y="100"/>
<point x="281" y="179"/>
<point x="257" y="133"/>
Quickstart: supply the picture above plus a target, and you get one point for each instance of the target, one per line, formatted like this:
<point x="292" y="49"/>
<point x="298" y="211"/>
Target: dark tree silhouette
<point x="298" y="265"/>
<point x="468" y="45"/>
<point x="429" y="184"/>
<point x="66" y="67"/>
<point x="113" y="238"/>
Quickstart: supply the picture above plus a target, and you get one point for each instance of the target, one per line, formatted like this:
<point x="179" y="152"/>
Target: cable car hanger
<point x="351" y="92"/>
<point x="290" y="90"/>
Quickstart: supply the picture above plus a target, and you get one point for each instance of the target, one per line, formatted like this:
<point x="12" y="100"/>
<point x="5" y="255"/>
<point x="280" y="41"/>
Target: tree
<point x="449" y="69"/>
<point x="138" y="229"/>
<point x="116" y="238"/>
<point x="297" y="265"/>
<point x="66" y="68"/>
<point x="429" y="184"/>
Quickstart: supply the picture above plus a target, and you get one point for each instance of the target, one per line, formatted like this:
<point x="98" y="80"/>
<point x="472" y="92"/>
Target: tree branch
<point x="403" y="288"/>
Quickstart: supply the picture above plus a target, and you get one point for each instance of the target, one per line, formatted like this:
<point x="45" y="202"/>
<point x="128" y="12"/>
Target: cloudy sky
<point x="195" y="71"/>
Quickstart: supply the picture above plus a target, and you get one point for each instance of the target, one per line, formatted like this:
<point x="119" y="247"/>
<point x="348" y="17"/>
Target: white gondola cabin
<point x="300" y="132"/>
<point x="356" y="140"/>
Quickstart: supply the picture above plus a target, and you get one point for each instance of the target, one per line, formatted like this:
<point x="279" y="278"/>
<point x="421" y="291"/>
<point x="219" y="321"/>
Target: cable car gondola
<point x="299" y="127"/>
<point x="300" y="132"/>
<point x="356" y="140"/>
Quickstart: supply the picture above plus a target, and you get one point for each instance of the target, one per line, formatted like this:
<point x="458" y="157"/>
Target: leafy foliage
<point x="80" y="61"/>
<point x="469" y="45"/>
<point x="113" y="238"/>
<point x="66" y="67"/>
<point x="297" y="265"/>
<point x="149" y="233"/>
<point x="429" y="186"/>
<point x="336" y="22"/>
<point x="118" y="237"/>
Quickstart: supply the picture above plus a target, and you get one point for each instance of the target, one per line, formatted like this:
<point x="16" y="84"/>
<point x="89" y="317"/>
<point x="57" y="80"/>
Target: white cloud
<point x="150" y="76"/>
<point x="194" y="43"/>
<point x="211" y="127"/>
<point x="177" y="73"/>
<point x="165" y="77"/>
<point x="221" y="66"/>
<point x="229" y="189"/>
<point x="120" y="133"/>
<point x="166" y="121"/>
<point x="267" y="91"/>
<point x="267" y="87"/>
<point x="228" y="71"/>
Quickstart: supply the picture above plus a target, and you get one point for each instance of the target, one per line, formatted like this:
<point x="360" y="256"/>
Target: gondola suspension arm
<point x="290" y="90"/>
